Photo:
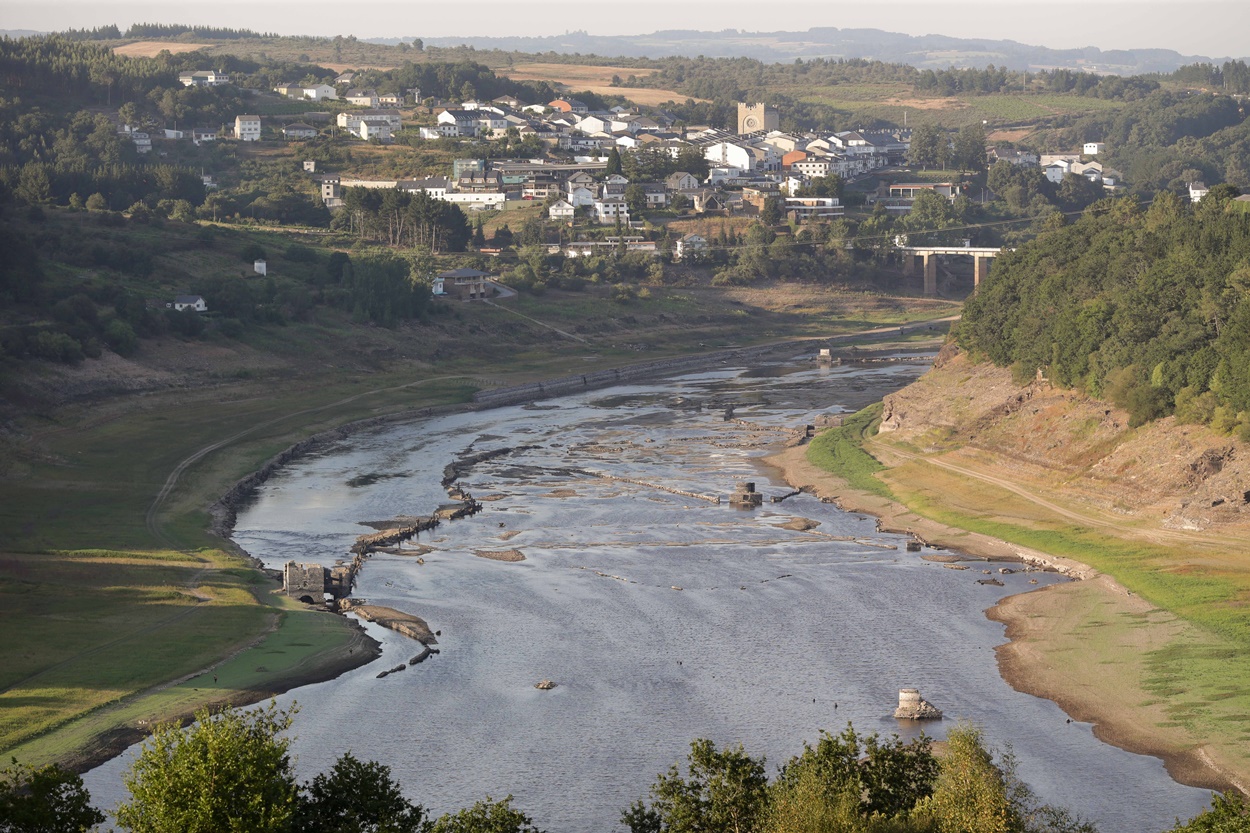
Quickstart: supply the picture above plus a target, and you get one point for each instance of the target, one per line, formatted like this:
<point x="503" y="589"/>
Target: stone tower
<point x="753" y="117"/>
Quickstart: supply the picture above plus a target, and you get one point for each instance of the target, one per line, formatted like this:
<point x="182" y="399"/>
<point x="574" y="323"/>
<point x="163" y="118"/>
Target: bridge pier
<point x="980" y="270"/>
<point x="909" y="266"/>
<point x="930" y="274"/>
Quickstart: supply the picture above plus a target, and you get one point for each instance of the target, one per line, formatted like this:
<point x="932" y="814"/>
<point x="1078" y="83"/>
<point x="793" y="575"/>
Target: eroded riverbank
<point x="1048" y="652"/>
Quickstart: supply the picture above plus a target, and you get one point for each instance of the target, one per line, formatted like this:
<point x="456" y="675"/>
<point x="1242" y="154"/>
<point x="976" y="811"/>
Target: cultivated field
<point x="150" y="48"/>
<point x="591" y="78"/>
<point x="899" y="104"/>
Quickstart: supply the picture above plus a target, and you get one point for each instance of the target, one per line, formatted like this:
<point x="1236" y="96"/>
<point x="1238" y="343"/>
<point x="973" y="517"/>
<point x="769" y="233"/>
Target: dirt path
<point x="536" y="321"/>
<point x="884" y="451"/>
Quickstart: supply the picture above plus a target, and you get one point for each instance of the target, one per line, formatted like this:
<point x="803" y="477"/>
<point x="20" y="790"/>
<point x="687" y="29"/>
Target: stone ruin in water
<point x="911" y="706"/>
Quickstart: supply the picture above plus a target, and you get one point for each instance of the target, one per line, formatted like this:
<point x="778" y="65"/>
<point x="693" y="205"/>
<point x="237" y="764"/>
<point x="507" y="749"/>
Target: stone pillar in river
<point x="911" y="706"/>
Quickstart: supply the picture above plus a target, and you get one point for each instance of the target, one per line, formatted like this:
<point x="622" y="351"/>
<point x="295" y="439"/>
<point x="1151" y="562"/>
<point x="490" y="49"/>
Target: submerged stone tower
<point x="911" y="706"/>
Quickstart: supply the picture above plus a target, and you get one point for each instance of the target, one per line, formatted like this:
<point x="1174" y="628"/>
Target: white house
<point x="561" y="211"/>
<point x="813" y="167"/>
<point x="352" y="120"/>
<point x="1057" y="170"/>
<point x="143" y="142"/>
<point x="321" y="92"/>
<point x="1094" y="148"/>
<point x="195" y="302"/>
<point x="203" y="134"/>
<point x="391" y="100"/>
<point x="363" y="98"/>
<point x="261" y="267"/>
<point x="299" y="130"/>
<point x="594" y="124"/>
<point x="374" y="130"/>
<point x="609" y="210"/>
<point x="491" y="121"/>
<point x="435" y="186"/>
<point x="247" y="128"/>
<point x="655" y="193"/>
<point x="478" y="200"/>
<point x="681" y="181"/>
<point x="689" y="245"/>
<point x="204" y="78"/>
<point x="580" y="196"/>
<point x="813" y="208"/>
<point x="1197" y="190"/>
<point x="458" y="123"/>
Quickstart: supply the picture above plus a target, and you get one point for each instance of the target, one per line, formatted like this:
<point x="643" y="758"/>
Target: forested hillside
<point x="1146" y="306"/>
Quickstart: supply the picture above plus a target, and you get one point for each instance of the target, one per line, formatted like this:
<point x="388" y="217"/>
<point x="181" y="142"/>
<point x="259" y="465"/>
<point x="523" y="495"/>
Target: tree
<point x="356" y="797"/>
<point x="770" y="214"/>
<point x="614" y="163"/>
<point x="970" y="795"/>
<point x="97" y="202"/>
<point x="969" y="151"/>
<point x="230" y="771"/>
<point x="1229" y="813"/>
<point x="636" y="199"/>
<point x="485" y="817"/>
<point x="928" y="147"/>
<point x="120" y="337"/>
<point x="886" y="777"/>
<point x="47" y="799"/>
<point x="723" y="791"/>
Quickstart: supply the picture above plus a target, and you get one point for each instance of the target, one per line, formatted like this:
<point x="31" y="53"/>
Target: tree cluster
<point x="850" y="783"/>
<point x="405" y="220"/>
<point x="1148" y="308"/>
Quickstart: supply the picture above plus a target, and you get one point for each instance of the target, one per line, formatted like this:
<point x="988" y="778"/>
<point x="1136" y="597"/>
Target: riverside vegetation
<point x="232" y="771"/>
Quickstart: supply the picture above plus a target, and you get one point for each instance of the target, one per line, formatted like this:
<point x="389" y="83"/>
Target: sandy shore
<point x="413" y="627"/>
<point x="1049" y="654"/>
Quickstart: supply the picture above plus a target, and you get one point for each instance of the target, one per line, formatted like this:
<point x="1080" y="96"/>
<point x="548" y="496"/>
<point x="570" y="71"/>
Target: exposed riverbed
<point x="662" y="616"/>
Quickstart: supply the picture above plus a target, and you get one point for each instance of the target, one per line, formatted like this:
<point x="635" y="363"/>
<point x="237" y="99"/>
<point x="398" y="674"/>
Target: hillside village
<point x="745" y="168"/>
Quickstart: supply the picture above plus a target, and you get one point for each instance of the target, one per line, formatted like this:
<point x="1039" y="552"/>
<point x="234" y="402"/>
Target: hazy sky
<point x="1215" y="29"/>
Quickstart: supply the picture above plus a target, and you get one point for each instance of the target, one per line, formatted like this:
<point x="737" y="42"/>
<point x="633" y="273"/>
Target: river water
<point x="663" y="618"/>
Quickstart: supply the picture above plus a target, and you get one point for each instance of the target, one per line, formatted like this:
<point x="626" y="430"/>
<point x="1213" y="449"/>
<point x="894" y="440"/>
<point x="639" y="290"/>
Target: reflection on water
<point x="662" y="617"/>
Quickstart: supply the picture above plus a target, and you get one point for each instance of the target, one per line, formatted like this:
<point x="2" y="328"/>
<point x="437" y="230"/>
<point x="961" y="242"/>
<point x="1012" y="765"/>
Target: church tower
<point x="754" y="117"/>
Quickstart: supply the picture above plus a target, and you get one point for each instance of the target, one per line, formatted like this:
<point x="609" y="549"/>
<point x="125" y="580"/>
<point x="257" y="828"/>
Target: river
<point x="662" y="618"/>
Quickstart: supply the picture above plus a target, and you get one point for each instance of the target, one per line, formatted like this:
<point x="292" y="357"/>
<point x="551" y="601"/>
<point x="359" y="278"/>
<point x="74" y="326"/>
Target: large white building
<point x="247" y="128"/>
<point x="729" y="155"/>
<point x="204" y="78"/>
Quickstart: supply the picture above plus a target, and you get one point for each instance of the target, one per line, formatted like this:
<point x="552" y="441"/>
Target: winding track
<point x="1159" y="536"/>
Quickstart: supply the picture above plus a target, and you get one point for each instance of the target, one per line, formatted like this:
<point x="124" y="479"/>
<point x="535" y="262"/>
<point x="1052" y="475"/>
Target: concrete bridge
<point x="980" y="262"/>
